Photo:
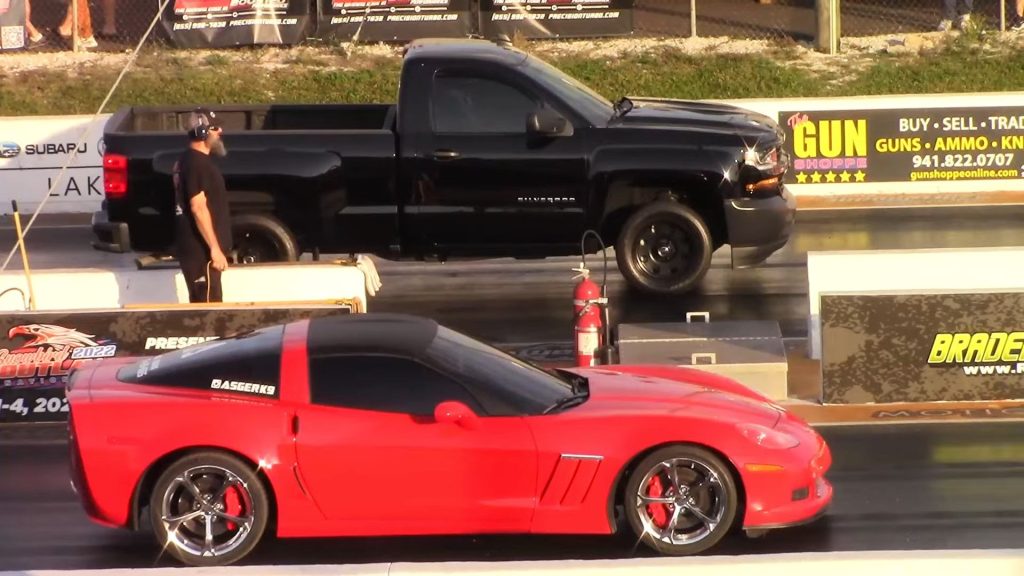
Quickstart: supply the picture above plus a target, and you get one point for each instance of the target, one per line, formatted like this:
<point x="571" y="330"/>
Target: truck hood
<point x="691" y="114"/>
<point x="662" y="391"/>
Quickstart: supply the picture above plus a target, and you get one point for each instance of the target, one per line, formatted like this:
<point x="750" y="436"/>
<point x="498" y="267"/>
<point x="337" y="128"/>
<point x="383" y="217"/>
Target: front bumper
<point x="110" y="236"/>
<point x="797" y="495"/>
<point x="758" y="227"/>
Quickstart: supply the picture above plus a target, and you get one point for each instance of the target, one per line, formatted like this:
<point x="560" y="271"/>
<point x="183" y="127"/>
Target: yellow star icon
<point x="859" y="176"/>
<point x="815" y="177"/>
<point x="831" y="176"/>
<point x="845" y="176"/>
<point x="801" y="178"/>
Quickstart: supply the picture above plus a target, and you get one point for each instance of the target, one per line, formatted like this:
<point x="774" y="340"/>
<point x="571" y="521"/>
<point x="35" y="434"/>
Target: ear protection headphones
<point x="200" y="126"/>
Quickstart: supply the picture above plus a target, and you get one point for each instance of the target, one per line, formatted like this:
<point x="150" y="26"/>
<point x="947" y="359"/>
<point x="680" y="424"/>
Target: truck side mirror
<point x="546" y="123"/>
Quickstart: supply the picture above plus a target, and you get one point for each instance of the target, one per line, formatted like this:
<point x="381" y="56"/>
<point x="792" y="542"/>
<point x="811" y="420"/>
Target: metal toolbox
<point x="750" y="352"/>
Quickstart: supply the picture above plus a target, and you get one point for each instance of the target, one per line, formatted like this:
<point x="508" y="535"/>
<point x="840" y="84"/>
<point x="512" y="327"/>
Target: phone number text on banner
<point x="393" y="20"/>
<point x="912" y="145"/>
<point x="556" y="18"/>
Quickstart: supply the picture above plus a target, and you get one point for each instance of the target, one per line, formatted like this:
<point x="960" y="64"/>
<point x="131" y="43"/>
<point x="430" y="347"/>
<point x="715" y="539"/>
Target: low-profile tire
<point x="701" y="498"/>
<point x="262" y="238"/>
<point x="209" y="493"/>
<point x="664" y="248"/>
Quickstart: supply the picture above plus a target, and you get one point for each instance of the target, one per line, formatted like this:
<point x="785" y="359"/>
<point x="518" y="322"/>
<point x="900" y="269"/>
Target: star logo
<point x="859" y="176"/>
<point x="845" y="176"/>
<point x="831" y="176"/>
<point x="815" y="177"/>
<point x="801" y="178"/>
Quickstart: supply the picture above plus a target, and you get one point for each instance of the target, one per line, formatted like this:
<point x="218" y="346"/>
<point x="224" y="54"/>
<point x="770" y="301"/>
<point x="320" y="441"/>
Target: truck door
<point x="484" y="182"/>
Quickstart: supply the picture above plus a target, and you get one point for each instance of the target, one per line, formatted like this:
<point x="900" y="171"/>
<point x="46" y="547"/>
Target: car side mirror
<point x="546" y="123"/>
<point x="456" y="413"/>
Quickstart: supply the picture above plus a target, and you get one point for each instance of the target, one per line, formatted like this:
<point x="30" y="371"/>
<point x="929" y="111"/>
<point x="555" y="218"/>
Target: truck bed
<point x="250" y="118"/>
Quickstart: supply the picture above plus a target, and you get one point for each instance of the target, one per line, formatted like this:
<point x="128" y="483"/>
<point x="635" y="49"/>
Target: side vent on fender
<point x="571" y="480"/>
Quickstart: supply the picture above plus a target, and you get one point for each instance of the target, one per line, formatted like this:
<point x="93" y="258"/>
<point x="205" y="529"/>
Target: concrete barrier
<point x="907" y="271"/>
<point x="882" y="563"/>
<point x="93" y="288"/>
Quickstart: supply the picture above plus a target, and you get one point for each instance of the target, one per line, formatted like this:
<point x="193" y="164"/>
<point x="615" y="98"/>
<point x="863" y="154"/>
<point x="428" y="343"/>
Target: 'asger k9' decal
<point x="247" y="387"/>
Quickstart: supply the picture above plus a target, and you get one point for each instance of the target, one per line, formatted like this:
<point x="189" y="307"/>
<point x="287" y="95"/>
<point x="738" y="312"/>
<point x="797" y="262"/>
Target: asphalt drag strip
<point x="897" y="487"/>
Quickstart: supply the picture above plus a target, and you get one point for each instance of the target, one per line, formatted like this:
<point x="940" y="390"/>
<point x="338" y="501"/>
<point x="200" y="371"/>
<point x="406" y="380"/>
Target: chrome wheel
<point x="681" y="500"/>
<point x="207" y="511"/>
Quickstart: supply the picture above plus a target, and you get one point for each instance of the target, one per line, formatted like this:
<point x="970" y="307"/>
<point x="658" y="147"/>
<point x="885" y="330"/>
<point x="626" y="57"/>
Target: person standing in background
<point x="962" y="16"/>
<point x="202" y="216"/>
<point x="1017" y="24"/>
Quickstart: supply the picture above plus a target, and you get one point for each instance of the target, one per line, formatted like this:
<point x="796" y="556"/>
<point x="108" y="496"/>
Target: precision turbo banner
<point x="904" y="145"/>
<point x="556" y="18"/>
<point x="42" y="348"/>
<point x="392" y="20"/>
<point x="225" y="23"/>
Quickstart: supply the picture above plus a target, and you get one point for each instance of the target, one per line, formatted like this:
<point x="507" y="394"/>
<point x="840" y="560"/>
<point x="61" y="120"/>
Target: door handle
<point x="445" y="154"/>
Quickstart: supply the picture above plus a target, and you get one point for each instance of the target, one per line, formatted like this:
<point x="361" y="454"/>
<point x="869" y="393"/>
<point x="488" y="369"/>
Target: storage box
<point x="750" y="352"/>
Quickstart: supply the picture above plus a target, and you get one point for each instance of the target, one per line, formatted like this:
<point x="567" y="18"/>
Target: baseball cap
<point x="203" y="117"/>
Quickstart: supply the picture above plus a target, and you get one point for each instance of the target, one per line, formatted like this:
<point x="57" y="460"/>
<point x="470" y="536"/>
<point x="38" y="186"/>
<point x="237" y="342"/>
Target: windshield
<point x="596" y="108"/>
<point x="515" y="387"/>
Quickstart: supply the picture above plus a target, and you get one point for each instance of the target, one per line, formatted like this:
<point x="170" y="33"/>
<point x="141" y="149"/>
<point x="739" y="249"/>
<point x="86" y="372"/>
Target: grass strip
<point x="329" y="76"/>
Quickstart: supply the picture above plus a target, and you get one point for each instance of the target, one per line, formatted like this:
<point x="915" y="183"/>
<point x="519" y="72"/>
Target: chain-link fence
<point x="112" y="25"/>
<point x="741" y="19"/>
<point x="796" y="19"/>
<point x="115" y="25"/>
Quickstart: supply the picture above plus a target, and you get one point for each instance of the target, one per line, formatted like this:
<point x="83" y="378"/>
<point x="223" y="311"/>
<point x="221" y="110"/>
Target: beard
<point x="217" y="148"/>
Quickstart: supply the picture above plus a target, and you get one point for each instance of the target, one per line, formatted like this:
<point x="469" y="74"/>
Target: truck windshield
<point x="595" y="108"/>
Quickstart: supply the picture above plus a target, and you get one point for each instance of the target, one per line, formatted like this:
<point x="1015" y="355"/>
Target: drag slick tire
<point x="262" y="238"/>
<point x="664" y="248"/>
<point x="681" y="500"/>
<point x="208" y="509"/>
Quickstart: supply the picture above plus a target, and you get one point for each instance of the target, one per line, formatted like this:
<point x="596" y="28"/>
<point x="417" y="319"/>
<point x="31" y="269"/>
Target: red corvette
<point x="377" y="424"/>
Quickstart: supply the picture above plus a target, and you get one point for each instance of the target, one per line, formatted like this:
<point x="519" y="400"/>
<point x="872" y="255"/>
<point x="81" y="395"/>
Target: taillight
<point x="115" y="175"/>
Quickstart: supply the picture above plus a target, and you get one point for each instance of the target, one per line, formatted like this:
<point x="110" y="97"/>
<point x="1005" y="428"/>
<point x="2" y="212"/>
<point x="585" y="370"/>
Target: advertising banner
<point x="393" y="20"/>
<point x="921" y="347"/>
<point x="905" y="145"/>
<point x="12" y="24"/>
<point x="556" y="18"/>
<point x="225" y="23"/>
<point x="33" y="149"/>
<point x="42" y="348"/>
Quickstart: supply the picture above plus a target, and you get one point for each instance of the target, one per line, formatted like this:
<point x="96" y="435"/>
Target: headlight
<point x="763" y="169"/>
<point x="767" y="438"/>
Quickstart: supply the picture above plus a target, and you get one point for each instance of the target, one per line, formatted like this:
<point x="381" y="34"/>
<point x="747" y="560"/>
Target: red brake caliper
<point x="232" y="505"/>
<point x="659" y="512"/>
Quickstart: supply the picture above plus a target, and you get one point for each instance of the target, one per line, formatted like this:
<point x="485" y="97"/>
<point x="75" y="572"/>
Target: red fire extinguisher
<point x="587" y="306"/>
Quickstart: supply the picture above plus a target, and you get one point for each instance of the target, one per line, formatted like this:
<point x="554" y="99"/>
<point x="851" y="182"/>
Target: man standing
<point x="202" y="217"/>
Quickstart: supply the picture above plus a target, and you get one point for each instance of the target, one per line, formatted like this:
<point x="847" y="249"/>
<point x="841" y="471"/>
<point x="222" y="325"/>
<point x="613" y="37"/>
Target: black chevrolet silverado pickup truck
<point x="489" y="152"/>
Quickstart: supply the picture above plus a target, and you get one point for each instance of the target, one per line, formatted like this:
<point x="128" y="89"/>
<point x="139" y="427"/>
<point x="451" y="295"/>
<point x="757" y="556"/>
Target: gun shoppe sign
<point x="224" y="23"/>
<point x="393" y="20"/>
<point x="43" y="348"/>
<point x="556" y="18"/>
<point x="904" y="145"/>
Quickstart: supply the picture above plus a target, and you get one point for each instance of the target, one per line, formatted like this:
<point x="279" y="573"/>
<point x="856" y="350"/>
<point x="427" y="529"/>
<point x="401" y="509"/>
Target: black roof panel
<point x="464" y="48"/>
<point x="370" y="333"/>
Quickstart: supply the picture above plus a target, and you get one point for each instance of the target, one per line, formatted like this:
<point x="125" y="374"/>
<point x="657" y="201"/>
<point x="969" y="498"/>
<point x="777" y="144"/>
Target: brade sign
<point x="34" y="149"/>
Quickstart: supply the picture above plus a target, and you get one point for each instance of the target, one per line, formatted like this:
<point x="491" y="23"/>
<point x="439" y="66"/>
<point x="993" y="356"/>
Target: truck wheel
<point x="664" y="248"/>
<point x="262" y="238"/>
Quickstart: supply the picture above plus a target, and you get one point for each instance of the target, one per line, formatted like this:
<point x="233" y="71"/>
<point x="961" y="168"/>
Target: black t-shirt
<point x="195" y="172"/>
